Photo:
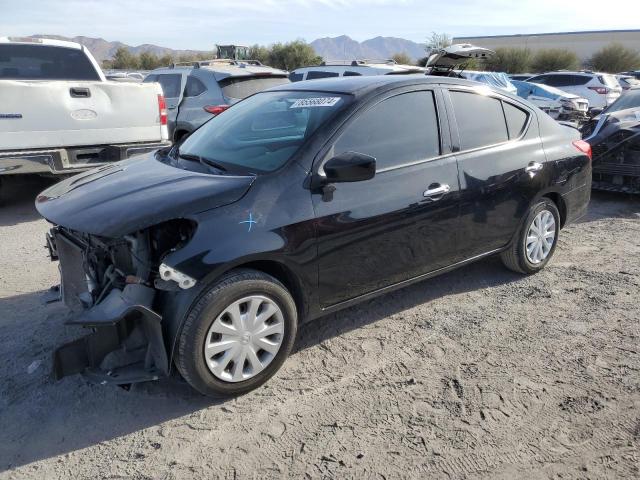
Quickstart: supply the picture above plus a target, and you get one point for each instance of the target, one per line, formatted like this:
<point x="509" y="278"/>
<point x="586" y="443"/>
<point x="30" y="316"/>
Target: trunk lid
<point x="49" y="114"/>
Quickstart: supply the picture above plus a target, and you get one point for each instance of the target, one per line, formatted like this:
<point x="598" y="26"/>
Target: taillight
<point x="215" y="109"/>
<point x="583" y="146"/>
<point x="600" y="90"/>
<point x="162" y="108"/>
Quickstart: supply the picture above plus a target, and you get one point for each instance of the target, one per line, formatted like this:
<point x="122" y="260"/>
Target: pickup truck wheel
<point x="536" y="241"/>
<point x="237" y="334"/>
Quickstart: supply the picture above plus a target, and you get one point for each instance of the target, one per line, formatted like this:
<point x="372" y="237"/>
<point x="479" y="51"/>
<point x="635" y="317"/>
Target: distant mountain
<point x="103" y="50"/>
<point x="337" y="48"/>
<point x="345" y="48"/>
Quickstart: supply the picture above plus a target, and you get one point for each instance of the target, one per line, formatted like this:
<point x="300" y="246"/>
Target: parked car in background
<point x="627" y="81"/>
<point x="443" y="61"/>
<point x="295" y="203"/>
<point x="601" y="89"/>
<point x="615" y="138"/>
<point x="125" y="76"/>
<point x="356" y="68"/>
<point x="493" y="79"/>
<point x="197" y="91"/>
<point x="452" y="61"/>
<point x="633" y="73"/>
<point x="59" y="114"/>
<point x="558" y="104"/>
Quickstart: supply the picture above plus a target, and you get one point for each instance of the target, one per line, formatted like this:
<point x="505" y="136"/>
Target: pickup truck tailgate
<point x="44" y="114"/>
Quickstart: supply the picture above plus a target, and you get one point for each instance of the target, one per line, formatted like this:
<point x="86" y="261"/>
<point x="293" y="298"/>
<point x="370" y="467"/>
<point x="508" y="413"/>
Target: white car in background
<point x="60" y="115"/>
<point x="355" y="68"/>
<point x="601" y="89"/>
<point x="557" y="103"/>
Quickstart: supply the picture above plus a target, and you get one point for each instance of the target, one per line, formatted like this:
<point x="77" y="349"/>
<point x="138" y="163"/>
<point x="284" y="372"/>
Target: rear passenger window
<point x="314" y="74"/>
<point x="396" y="131"/>
<point x="480" y="120"/>
<point x="296" y="77"/>
<point x="516" y="119"/>
<point x="194" y="87"/>
<point x="171" y="84"/>
<point x="558" y="80"/>
<point x="580" y="80"/>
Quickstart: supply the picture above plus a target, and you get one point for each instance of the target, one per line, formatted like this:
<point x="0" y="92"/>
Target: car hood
<point x="127" y="196"/>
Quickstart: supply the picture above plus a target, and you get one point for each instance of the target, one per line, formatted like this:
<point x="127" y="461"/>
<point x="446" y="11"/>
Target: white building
<point x="584" y="44"/>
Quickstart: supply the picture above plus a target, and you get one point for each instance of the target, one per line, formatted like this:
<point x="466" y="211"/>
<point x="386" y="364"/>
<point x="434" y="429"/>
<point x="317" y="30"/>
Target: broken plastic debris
<point x="34" y="366"/>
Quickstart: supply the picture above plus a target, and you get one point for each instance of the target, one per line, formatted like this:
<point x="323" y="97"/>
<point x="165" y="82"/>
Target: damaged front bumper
<point x="126" y="343"/>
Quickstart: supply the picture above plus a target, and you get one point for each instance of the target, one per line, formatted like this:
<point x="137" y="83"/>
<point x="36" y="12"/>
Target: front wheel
<point x="536" y="241"/>
<point x="237" y="334"/>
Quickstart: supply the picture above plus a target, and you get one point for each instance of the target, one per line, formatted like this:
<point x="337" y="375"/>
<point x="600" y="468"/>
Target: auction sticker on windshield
<point x="315" y="102"/>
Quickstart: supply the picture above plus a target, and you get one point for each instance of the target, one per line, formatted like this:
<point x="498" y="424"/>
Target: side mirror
<point x="350" y="167"/>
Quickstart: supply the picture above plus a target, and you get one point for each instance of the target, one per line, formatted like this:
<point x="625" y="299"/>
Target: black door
<point x="401" y="223"/>
<point x="502" y="168"/>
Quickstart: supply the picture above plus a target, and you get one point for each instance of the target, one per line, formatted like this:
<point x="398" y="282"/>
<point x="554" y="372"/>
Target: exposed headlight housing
<point x="168" y="273"/>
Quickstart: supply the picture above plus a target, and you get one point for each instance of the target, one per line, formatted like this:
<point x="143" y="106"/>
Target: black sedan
<point x="294" y="203"/>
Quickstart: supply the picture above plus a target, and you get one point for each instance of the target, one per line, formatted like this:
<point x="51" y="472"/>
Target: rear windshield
<point x="242" y="87"/>
<point x="33" y="62"/>
<point x="260" y="134"/>
<point x="631" y="99"/>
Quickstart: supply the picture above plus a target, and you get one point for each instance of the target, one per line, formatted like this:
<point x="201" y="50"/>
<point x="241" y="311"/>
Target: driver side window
<point x="396" y="131"/>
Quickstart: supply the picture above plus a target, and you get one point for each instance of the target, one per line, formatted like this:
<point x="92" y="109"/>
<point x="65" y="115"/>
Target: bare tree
<point x="437" y="41"/>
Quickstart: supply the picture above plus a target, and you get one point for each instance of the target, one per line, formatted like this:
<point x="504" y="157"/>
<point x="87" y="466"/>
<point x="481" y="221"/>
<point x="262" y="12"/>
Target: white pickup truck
<point x="59" y="115"/>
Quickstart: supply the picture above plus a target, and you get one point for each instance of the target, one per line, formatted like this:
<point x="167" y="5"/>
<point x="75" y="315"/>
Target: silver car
<point x="197" y="91"/>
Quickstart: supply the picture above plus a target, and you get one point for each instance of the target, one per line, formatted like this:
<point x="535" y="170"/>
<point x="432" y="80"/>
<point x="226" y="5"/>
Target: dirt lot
<point x="480" y="373"/>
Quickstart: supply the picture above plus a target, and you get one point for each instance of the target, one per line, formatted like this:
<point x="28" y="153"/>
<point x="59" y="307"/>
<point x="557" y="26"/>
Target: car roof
<point x="221" y="69"/>
<point x="359" y="86"/>
<point x="573" y="72"/>
<point x="390" y="66"/>
<point x="41" y="42"/>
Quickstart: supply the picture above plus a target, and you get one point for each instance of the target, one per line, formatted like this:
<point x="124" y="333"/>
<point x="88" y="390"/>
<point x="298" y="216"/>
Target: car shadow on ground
<point x="17" y="198"/>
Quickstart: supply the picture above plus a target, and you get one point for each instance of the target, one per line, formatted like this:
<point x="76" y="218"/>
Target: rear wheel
<point x="536" y="241"/>
<point x="237" y="334"/>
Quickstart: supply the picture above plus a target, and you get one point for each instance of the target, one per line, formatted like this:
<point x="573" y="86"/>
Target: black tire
<point x="515" y="257"/>
<point x="190" y="358"/>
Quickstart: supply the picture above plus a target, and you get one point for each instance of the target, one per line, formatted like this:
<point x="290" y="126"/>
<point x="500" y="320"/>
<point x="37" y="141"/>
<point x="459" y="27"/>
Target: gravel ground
<point x="479" y="373"/>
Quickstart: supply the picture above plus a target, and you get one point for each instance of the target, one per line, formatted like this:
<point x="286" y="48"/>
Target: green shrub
<point x="554" y="59"/>
<point x="615" y="58"/>
<point x="510" y="60"/>
<point x="402" y="58"/>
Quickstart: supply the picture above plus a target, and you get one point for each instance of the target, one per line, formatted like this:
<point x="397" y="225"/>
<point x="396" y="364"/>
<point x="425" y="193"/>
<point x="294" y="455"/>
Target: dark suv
<point x="294" y="203"/>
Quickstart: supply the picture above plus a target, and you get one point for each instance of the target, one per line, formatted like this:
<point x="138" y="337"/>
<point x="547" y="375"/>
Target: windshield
<point x="260" y="134"/>
<point x="631" y="99"/>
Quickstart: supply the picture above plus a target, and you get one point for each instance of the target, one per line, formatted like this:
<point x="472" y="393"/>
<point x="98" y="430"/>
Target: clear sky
<point x="201" y="24"/>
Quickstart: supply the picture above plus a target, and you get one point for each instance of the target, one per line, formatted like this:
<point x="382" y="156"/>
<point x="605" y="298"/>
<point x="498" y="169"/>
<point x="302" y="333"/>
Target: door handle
<point x="78" y="92"/>
<point x="437" y="190"/>
<point x="533" y="167"/>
